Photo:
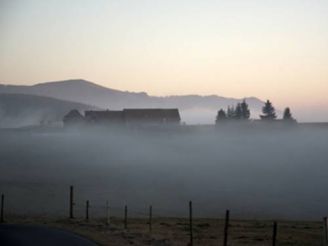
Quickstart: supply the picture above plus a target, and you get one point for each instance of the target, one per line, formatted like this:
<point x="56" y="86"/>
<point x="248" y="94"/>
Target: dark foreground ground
<point x="31" y="235"/>
<point x="175" y="231"/>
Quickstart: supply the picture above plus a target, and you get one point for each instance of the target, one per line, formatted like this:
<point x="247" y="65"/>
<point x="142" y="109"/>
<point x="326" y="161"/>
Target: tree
<point x="269" y="113"/>
<point x="73" y="118"/>
<point x="245" y="112"/>
<point x="230" y="113"/>
<point x="288" y="115"/>
<point x="221" y="116"/>
<point x="238" y="112"/>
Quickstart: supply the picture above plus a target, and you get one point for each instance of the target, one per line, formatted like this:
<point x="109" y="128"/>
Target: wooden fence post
<point x="107" y="214"/>
<point x="150" y="217"/>
<point x="87" y="205"/>
<point x="274" y="234"/>
<point x="226" y="228"/>
<point x="2" y="219"/>
<point x="325" y="227"/>
<point x="71" y="202"/>
<point x="190" y="224"/>
<point x="126" y="217"/>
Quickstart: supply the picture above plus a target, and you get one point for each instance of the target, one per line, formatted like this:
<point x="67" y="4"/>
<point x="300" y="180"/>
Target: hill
<point x="194" y="108"/>
<point x="18" y="110"/>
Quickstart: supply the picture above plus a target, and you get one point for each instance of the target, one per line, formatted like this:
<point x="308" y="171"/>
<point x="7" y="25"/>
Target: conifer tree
<point x="221" y="116"/>
<point x="230" y="113"/>
<point x="238" y="112"/>
<point x="245" y="110"/>
<point x="269" y="112"/>
<point x="288" y="115"/>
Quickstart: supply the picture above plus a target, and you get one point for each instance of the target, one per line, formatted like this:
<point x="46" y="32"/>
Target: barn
<point x="151" y="116"/>
<point x="125" y="117"/>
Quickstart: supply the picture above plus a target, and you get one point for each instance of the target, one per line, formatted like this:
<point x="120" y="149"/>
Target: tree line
<point x="241" y="112"/>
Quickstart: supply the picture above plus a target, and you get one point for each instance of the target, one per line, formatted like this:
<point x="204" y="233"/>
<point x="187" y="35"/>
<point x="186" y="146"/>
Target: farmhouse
<point x="104" y="117"/>
<point x="126" y="117"/>
<point x="151" y="116"/>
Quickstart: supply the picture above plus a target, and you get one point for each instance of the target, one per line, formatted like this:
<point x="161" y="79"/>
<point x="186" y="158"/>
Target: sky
<point x="270" y="49"/>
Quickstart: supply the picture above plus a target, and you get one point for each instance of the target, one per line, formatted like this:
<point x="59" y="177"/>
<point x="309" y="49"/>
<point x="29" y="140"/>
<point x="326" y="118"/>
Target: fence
<point x="149" y="216"/>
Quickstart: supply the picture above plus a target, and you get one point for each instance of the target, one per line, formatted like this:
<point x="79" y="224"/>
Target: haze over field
<point x="257" y="174"/>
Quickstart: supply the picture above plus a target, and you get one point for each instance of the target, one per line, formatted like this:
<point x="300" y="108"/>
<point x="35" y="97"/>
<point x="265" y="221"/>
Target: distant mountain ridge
<point x="90" y="93"/>
<point x="82" y="91"/>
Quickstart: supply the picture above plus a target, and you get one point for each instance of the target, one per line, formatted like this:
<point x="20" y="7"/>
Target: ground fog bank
<point x="256" y="174"/>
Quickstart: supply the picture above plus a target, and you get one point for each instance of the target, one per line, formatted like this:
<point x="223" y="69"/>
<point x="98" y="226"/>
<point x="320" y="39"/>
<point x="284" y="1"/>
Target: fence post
<point x="226" y="228"/>
<point x="190" y="224"/>
<point x="126" y="217"/>
<point x="2" y="219"/>
<point x="274" y="234"/>
<point x="325" y="227"/>
<point x="87" y="210"/>
<point x="150" y="217"/>
<point x="71" y="202"/>
<point x="107" y="214"/>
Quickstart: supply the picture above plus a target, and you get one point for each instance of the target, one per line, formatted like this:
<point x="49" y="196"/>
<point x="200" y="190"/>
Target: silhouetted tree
<point x="269" y="113"/>
<point x="288" y="115"/>
<point x="245" y="112"/>
<point x="238" y="112"/>
<point x="74" y="117"/>
<point x="230" y="112"/>
<point x="221" y="116"/>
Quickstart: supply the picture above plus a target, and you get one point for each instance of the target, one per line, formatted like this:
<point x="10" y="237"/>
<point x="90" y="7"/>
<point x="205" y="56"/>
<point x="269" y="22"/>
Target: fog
<point x="255" y="173"/>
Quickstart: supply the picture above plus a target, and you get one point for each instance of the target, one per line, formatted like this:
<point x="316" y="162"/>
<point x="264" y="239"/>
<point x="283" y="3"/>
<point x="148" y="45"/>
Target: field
<point x="175" y="231"/>
<point x="259" y="175"/>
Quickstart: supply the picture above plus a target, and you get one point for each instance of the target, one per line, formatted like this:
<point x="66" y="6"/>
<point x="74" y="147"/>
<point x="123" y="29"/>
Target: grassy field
<point x="175" y="231"/>
<point x="276" y="174"/>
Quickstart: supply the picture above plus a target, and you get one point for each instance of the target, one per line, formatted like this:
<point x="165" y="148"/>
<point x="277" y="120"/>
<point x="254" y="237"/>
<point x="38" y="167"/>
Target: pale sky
<point x="275" y="49"/>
